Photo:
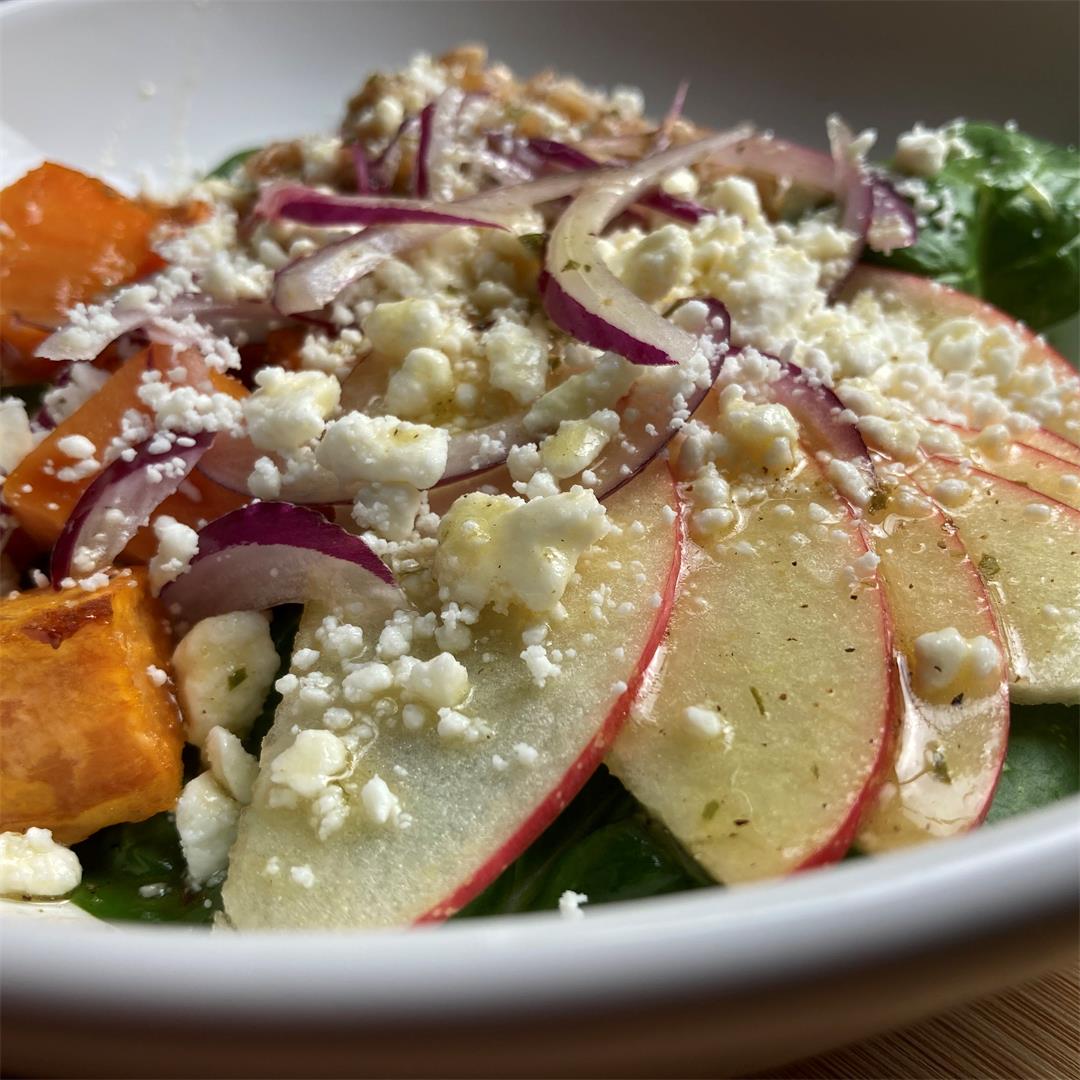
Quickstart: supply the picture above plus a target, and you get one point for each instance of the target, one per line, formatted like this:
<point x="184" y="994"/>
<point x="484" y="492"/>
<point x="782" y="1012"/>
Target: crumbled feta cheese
<point x="380" y="804"/>
<point x="540" y="666"/>
<point x="952" y="492"/>
<point x="947" y="665"/>
<point x="387" y="509"/>
<point x="158" y="676"/>
<point x="517" y="359"/>
<point x="303" y="876"/>
<point x="206" y="819"/>
<point x="658" y="263"/>
<point x="289" y="408"/>
<point x="177" y="546"/>
<point x="230" y="764"/>
<point x="570" y="905"/>
<point x="315" y="758"/>
<point x="706" y="722"/>
<point x="383" y="448"/>
<point x="525" y="754"/>
<point x="424" y="381"/>
<point x="921" y="151"/>
<point x="366" y="681"/>
<point x="396" y="328"/>
<point x="500" y="550"/>
<point x="76" y="447"/>
<point x="849" y="480"/>
<point x="33" y="864"/>
<point x="224" y="667"/>
<point x="578" y="443"/>
<point x="438" y="682"/>
<point x="580" y="396"/>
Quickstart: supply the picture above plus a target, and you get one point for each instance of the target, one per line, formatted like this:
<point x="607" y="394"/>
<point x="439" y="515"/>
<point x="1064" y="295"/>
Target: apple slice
<point x="468" y="808"/>
<point x="933" y="305"/>
<point x="1024" y="463"/>
<point x="1027" y="547"/>
<point x="765" y="730"/>
<point x="949" y="753"/>
<point x="1042" y="473"/>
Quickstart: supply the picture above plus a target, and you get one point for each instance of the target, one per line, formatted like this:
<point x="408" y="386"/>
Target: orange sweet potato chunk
<point x="65" y="238"/>
<point x="42" y="503"/>
<point x="86" y="737"/>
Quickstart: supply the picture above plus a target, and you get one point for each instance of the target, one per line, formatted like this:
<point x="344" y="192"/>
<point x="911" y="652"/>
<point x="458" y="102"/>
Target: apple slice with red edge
<point x="933" y="304"/>
<point x="948" y="754"/>
<point x="474" y="806"/>
<point x="930" y="584"/>
<point x="1027" y="548"/>
<point x="1035" y="469"/>
<point x="764" y="731"/>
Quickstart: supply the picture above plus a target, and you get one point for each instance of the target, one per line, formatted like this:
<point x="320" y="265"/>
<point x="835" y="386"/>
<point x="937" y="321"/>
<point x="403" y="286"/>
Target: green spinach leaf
<point x="225" y="169"/>
<point x="1043" y="760"/>
<point x="604" y="845"/>
<point x="1006" y="224"/>
<point x="136" y="872"/>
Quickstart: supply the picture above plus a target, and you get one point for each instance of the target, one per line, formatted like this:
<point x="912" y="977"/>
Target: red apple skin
<point x="890" y="824"/>
<point x="585" y="765"/>
<point x="845" y="835"/>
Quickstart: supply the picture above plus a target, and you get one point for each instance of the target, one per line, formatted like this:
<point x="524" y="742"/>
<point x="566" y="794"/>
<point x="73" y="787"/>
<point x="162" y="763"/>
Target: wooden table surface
<point x="1029" y="1033"/>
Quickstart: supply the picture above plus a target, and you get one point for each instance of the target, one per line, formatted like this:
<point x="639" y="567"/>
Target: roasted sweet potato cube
<point x="42" y="502"/>
<point x="88" y="737"/>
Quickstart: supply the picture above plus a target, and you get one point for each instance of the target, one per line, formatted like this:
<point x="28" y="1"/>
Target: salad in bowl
<point x="512" y="502"/>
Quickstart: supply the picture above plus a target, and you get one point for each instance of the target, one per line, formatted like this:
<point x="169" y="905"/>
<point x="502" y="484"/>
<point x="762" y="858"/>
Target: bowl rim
<point x="938" y="896"/>
<point x="1008" y="875"/>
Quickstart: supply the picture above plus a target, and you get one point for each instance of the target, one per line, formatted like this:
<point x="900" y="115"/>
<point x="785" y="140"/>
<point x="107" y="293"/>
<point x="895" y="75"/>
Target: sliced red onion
<point x="472" y="452"/>
<point x="889" y="221"/>
<point x="553" y="152"/>
<point x="361" y="168"/>
<point x="295" y="202"/>
<point x="767" y="156"/>
<point x="673" y="115"/>
<point x="120" y="501"/>
<point x="437" y="134"/>
<point x="651" y="415"/>
<point x="267" y="554"/>
<point x="892" y="220"/>
<point x="62" y="344"/>
<point x="312" y="282"/>
<point x="819" y="412"/>
<point x="853" y="184"/>
<point x="582" y="296"/>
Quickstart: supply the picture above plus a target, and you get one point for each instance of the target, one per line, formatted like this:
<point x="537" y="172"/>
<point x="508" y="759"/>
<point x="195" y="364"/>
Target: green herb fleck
<point x="939" y="766"/>
<point x="989" y="567"/>
<point x="759" y="701"/>
<point x="709" y="811"/>
<point x="534" y="241"/>
<point x="878" y="501"/>
<point x="571" y="264"/>
<point x="237" y="677"/>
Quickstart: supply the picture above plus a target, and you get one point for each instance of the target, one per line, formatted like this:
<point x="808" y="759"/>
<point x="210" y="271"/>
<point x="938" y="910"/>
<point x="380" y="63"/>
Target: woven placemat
<point x="1031" y="1032"/>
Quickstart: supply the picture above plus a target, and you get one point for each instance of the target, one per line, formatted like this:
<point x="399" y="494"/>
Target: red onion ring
<point x="135" y="488"/>
<point x="267" y="554"/>
<point x="203" y="308"/>
<point x="582" y="296"/>
<point x="296" y="202"/>
<point x="310" y="283"/>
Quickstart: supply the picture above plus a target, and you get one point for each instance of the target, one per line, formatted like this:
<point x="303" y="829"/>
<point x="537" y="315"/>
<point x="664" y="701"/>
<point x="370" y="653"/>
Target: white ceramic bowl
<point x="709" y="982"/>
